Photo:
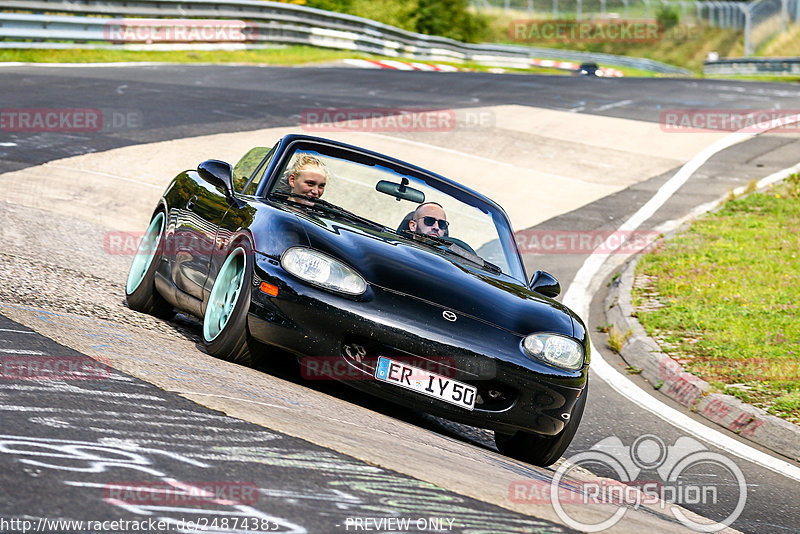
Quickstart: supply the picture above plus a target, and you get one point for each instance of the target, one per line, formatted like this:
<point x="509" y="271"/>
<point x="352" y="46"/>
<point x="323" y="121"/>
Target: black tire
<point x="144" y="297"/>
<point x="542" y="450"/>
<point x="233" y="342"/>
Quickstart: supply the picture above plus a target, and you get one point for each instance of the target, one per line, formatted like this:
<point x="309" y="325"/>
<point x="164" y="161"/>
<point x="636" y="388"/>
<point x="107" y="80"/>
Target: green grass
<point x="683" y="46"/>
<point x="289" y="55"/>
<point x="729" y="290"/>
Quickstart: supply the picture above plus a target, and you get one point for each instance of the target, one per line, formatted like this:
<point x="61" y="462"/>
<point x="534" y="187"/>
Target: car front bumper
<point x="338" y="337"/>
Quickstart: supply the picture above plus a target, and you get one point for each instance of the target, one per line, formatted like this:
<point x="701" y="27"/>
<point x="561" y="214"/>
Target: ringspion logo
<point x="647" y="472"/>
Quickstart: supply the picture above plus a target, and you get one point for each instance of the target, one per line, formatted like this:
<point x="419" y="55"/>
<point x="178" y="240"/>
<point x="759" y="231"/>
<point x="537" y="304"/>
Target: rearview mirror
<point x="217" y="173"/>
<point x="545" y="284"/>
<point x="401" y="191"/>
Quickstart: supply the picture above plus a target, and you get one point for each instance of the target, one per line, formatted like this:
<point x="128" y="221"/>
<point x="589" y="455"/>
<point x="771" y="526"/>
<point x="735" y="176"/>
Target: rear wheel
<point x="140" y="290"/>
<point x="542" y="450"/>
<point x="225" y="332"/>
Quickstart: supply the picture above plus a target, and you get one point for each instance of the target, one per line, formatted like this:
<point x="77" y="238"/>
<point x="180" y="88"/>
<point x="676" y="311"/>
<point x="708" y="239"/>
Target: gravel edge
<point x="668" y="376"/>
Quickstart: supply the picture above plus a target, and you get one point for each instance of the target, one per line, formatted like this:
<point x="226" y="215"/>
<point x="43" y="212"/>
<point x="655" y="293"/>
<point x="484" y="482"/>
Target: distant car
<point x="448" y="325"/>
<point x="589" y="68"/>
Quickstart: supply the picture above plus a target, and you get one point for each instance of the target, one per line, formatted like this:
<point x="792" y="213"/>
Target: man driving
<point x="429" y="218"/>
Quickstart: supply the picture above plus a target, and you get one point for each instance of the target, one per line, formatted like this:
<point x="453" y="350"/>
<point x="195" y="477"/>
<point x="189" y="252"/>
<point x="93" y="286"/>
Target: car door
<point x="196" y="223"/>
<point x="247" y="175"/>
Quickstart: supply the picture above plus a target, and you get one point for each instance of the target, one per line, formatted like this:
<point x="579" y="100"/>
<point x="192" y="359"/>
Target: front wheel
<point x="140" y="290"/>
<point x="225" y="332"/>
<point x="542" y="450"/>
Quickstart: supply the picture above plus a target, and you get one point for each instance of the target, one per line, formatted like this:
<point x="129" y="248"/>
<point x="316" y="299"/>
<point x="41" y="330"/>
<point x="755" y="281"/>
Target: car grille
<point x="493" y="395"/>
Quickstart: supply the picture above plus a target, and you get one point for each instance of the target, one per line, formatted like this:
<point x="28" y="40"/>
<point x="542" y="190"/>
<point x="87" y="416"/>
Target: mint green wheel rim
<point x="224" y="294"/>
<point x="145" y="253"/>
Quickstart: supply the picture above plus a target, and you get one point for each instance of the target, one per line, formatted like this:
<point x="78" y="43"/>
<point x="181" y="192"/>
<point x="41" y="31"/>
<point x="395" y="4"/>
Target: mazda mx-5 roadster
<point x="372" y="271"/>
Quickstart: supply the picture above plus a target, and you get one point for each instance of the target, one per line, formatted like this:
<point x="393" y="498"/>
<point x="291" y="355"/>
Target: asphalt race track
<point x="309" y="456"/>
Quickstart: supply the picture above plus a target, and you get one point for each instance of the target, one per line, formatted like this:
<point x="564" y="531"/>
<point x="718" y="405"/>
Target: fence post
<point x="748" y="26"/>
<point x="784" y="15"/>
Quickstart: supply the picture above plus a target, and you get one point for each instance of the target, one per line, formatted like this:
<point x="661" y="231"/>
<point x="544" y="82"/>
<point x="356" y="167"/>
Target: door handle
<point x="190" y="204"/>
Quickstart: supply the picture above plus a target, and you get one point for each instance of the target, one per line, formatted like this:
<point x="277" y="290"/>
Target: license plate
<point x="426" y="382"/>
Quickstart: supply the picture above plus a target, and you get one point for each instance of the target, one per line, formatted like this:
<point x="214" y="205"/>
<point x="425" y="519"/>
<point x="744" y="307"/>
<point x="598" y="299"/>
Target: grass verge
<point x="289" y="55"/>
<point x="723" y="298"/>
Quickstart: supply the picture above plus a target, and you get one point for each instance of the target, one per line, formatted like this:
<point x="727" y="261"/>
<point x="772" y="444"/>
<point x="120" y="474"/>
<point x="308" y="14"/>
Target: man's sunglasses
<point x="430" y="221"/>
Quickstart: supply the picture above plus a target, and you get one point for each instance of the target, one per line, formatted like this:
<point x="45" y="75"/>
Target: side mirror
<point x="217" y="173"/>
<point x="545" y="284"/>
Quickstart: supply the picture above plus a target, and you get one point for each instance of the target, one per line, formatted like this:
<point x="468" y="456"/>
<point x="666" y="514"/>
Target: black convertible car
<point x="443" y="321"/>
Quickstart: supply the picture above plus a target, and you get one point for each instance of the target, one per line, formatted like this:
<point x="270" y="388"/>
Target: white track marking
<point x="586" y="282"/>
<point x="606" y="107"/>
<point x="20" y="351"/>
<point x="17" y="331"/>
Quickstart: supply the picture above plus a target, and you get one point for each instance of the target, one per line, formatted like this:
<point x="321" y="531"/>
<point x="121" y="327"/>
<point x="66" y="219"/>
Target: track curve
<point x="95" y="196"/>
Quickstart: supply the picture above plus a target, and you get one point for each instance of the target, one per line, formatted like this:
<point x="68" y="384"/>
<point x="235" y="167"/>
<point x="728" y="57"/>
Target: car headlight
<point x="554" y="349"/>
<point x="322" y="270"/>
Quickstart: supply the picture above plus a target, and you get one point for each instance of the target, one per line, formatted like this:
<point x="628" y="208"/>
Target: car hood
<point x="418" y="271"/>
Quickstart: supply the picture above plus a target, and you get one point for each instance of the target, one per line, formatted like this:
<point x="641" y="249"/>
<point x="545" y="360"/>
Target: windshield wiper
<point x="327" y="207"/>
<point x="453" y="248"/>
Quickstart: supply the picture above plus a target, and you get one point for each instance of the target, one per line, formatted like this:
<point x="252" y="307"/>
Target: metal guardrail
<point x="752" y="66"/>
<point x="271" y="23"/>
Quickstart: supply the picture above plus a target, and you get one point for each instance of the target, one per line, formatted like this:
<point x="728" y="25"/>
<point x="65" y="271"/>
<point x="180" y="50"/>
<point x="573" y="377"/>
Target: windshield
<point x="370" y="191"/>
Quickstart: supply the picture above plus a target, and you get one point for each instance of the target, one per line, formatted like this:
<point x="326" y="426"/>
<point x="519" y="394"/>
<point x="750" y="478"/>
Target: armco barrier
<point x="273" y="23"/>
<point x="761" y="66"/>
